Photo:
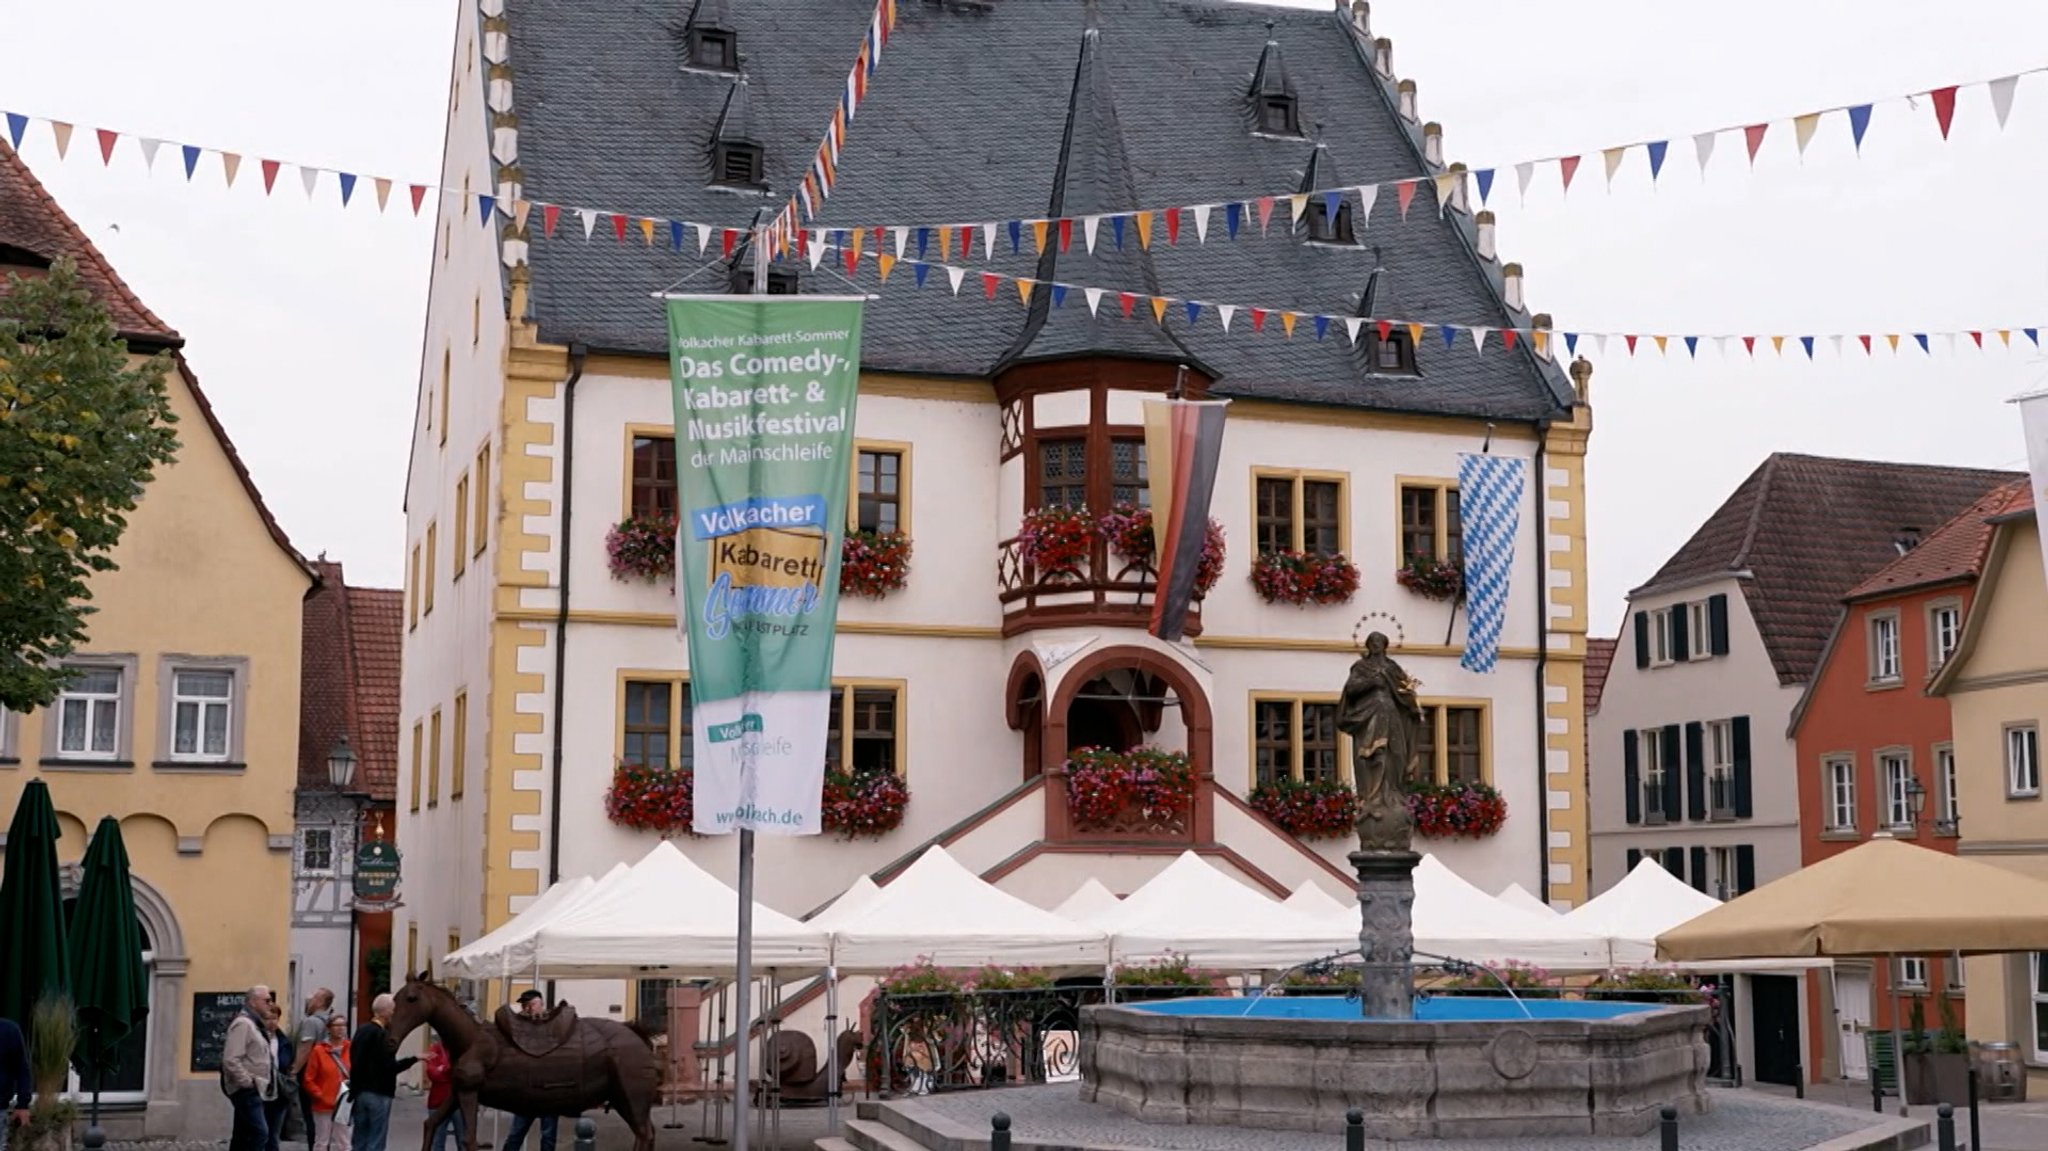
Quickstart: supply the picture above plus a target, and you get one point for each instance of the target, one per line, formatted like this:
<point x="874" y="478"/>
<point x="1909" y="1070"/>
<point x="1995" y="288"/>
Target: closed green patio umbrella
<point x="108" y="984"/>
<point x="34" y="962"/>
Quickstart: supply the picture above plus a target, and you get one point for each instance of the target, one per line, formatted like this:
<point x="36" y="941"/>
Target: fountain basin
<point x="1464" y="1068"/>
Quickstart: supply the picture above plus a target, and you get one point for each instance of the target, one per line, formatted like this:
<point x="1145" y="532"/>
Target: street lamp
<point x="1916" y="802"/>
<point x="341" y="764"/>
<point x="341" y="772"/>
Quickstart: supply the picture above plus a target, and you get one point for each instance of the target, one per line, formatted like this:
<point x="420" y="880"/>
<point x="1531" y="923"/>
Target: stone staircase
<point x="875" y="1127"/>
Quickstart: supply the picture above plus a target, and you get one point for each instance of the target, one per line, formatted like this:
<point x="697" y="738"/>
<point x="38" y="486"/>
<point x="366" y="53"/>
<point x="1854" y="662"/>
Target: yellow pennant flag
<point x="1287" y="322"/>
<point x="1893" y="340"/>
<point x="1024" y="290"/>
<point x="1612" y="157"/>
<point x="1444" y="184"/>
<point x="946" y="242"/>
<point x="647" y="231"/>
<point x="1038" y="235"/>
<point x="1296" y="205"/>
<point x="1415" y="335"/>
<point x="1802" y="129"/>
<point x="1159" y="308"/>
<point x="384" y="197"/>
<point x="853" y="238"/>
<point x="1661" y="341"/>
<point x="230" y="163"/>
<point x="1540" y="338"/>
<point x="1778" y="344"/>
<point x="62" y="133"/>
<point x="886" y="263"/>
<point x="2005" y="336"/>
<point x="1144" y="229"/>
<point x="520" y="210"/>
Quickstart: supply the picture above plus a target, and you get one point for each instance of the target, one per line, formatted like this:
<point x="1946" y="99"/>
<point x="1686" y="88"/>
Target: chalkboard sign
<point x="212" y="1011"/>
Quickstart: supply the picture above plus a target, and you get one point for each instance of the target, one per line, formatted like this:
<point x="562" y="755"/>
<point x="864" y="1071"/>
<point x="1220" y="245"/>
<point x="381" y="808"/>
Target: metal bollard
<point x="1945" y="1128"/>
<point x="1976" y="1137"/>
<point x="95" y="1138"/>
<point x="999" y="1132"/>
<point x="1667" y="1129"/>
<point x="1354" y="1130"/>
<point x="586" y="1135"/>
<point x="1877" y="1090"/>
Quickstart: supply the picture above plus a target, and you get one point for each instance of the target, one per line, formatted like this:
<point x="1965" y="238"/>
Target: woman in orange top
<point x="326" y="1073"/>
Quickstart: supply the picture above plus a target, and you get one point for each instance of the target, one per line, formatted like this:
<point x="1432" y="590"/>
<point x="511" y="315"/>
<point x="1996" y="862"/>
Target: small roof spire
<point x="1270" y="77"/>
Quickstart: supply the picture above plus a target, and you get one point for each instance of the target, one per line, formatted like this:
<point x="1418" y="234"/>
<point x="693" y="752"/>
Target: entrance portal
<point x="1102" y="716"/>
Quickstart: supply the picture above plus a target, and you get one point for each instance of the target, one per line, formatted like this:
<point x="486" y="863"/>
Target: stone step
<point x="833" y="1143"/>
<point x="872" y="1135"/>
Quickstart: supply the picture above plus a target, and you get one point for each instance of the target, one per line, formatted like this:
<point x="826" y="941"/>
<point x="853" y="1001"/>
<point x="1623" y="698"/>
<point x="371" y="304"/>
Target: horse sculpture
<point x="554" y="1065"/>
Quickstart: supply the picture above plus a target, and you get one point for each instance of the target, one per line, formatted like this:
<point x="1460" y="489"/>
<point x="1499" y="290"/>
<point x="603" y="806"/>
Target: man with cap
<point x="532" y="1005"/>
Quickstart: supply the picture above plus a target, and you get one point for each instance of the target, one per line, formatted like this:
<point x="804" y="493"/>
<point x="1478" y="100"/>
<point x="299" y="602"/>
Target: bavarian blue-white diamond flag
<point x="1490" y="506"/>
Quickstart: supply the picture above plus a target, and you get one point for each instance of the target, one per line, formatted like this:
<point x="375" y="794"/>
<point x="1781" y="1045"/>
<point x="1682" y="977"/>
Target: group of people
<point x="344" y="1084"/>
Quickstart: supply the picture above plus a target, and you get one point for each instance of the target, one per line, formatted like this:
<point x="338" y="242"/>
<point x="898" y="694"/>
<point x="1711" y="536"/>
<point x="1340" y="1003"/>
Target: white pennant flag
<point x="817" y="248"/>
<point x="149" y="148"/>
<point x="2001" y="98"/>
<point x="953" y="275"/>
<point x="1523" y="174"/>
<point x="1226" y="311"/>
<point x="1368" y="195"/>
<point x="589" y="219"/>
<point x="704" y="238"/>
<point x="1351" y="326"/>
<point x="1094" y="299"/>
<point x="310" y="177"/>
<point x="988" y="242"/>
<point x="902" y="236"/>
<point x="1202" y="223"/>
<point x="1721" y="345"/>
<point x="1600" y="343"/>
<point x="1088" y="226"/>
<point x="1479" y="339"/>
<point x="1837" y="341"/>
<point x="1949" y="338"/>
<point x="1703" y="144"/>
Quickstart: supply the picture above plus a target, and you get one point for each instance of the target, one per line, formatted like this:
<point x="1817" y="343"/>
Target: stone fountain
<point x="1456" y="1068"/>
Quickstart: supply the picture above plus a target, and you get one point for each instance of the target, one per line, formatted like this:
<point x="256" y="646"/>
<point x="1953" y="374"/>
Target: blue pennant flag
<point x="1571" y="343"/>
<point x="1059" y="295"/>
<point x="839" y="237"/>
<point x="1231" y="214"/>
<point x="1450" y="335"/>
<point x="191" y="160"/>
<point x="1656" y="150"/>
<point x="1859" y="123"/>
<point x="1116" y="228"/>
<point x="1194" y="312"/>
<point x="348" y="186"/>
<point x="17" y="124"/>
<point x="1485" y="176"/>
<point x="675" y="234"/>
<point x="1807" y="343"/>
<point x="1016" y="236"/>
<point x="1692" y="346"/>
<point x="1490" y="511"/>
<point x="1330" y="202"/>
<point x="1921" y="339"/>
<point x="2033" y="335"/>
<point x="1322" y="326"/>
<point x="924" y="239"/>
<point x="484" y="207"/>
<point x="923" y="270"/>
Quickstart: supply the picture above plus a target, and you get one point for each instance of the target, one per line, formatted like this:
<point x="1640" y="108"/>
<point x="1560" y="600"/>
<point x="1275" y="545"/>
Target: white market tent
<point x="937" y="910"/>
<point x="508" y="950"/>
<point x="1193" y="910"/>
<point x="850" y="901"/>
<point x="1090" y="901"/>
<point x="1456" y="920"/>
<point x="1515" y="895"/>
<point x="1310" y="899"/>
<point x="669" y="917"/>
<point x="1648" y="902"/>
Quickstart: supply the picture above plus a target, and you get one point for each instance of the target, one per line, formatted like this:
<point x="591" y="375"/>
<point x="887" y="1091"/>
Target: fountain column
<point x="1386" y="938"/>
<point x="1380" y="713"/>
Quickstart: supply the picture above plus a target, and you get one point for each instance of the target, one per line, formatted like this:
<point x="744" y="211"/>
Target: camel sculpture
<point x="799" y="1077"/>
<point x="554" y="1065"/>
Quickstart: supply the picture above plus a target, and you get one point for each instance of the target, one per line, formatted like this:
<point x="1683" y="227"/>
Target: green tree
<point x="83" y="428"/>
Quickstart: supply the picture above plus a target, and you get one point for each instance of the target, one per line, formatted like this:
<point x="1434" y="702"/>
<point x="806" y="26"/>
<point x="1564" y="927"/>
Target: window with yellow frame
<point x="481" y="529"/>
<point x="865" y="724"/>
<point x="654" y="720"/>
<point x="461" y="554"/>
<point x="412" y="590"/>
<point x="1457" y="741"/>
<point x="427" y="571"/>
<point x="434" y="759"/>
<point x="1295" y="737"/>
<point x="412" y="947"/>
<point x="419" y="747"/>
<point x="1431" y="527"/>
<point x="881" y="488"/>
<point x="458" y="747"/>
<point x="1299" y="511"/>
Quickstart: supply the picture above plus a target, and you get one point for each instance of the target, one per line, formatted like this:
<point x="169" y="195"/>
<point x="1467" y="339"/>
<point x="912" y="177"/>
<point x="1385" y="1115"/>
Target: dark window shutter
<point x="1674" y="862"/>
<point x="1745" y="869"/>
<point x="1642" y="639"/>
<point x="1679" y="651"/>
<point x="1695" y="772"/>
<point x="1699" y="868"/>
<point x="1634" y="857"/>
<point x="1717" y="624"/>
<point x="1631" y="778"/>
<point x="1739" y="731"/>
<point x="1671" y="762"/>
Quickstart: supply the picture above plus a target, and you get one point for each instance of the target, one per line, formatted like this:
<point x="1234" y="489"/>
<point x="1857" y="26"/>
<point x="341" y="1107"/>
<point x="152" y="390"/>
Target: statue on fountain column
<point x="1380" y="713"/>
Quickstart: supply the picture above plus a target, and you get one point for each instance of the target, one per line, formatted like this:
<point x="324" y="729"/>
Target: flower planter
<point x="1459" y="811"/>
<point x="868" y="803"/>
<point x="1938" y="1077"/>
<point x="1128" y="531"/>
<point x="873" y="564"/>
<point x="1433" y="579"/>
<point x="1319" y="809"/>
<point x="642" y="549"/>
<point x="1303" y="578"/>
<point x="1128" y="790"/>
<point x="1055" y="542"/>
<point x="657" y="799"/>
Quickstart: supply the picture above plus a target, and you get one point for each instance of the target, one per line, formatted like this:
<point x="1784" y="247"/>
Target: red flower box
<point x="1128" y="530"/>
<point x="1433" y="579"/>
<point x="642" y="549"/>
<point x="1102" y="784"/>
<point x="1056" y="541"/>
<point x="873" y="564"/>
<point x="1313" y="809"/>
<point x="864" y="803"/>
<point x="1459" y="811"/>
<point x="1304" y="577"/>
<point x="657" y="799"/>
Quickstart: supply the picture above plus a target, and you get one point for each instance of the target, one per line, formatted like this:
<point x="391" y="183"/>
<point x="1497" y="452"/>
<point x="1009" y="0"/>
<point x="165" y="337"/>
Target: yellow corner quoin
<point x="1567" y="605"/>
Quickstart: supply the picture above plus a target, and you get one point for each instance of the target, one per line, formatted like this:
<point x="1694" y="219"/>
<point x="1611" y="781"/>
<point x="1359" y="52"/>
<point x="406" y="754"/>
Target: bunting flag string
<point x="816" y="186"/>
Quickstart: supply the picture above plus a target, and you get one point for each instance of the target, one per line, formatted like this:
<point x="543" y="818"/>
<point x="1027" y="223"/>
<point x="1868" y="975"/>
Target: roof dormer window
<point x="1392" y="354"/>
<point x="781" y="281"/>
<point x="736" y="164"/>
<point x="1278" y="116"/>
<point x="1324" y="228"/>
<point x="714" y="48"/>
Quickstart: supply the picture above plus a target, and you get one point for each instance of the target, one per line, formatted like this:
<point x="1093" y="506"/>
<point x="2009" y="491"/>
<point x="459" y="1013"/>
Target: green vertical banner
<point x="764" y="395"/>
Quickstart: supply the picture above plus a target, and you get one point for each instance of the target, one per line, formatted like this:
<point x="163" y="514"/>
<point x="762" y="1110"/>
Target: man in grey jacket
<point x="248" y="1071"/>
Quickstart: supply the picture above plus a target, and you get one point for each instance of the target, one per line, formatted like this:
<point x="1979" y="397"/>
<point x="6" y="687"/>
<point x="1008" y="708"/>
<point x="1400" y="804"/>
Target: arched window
<point x="128" y="1080"/>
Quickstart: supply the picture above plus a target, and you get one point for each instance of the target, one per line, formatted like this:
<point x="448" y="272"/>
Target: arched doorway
<point x="149" y="1056"/>
<point x="1105" y="713"/>
<point x="128" y="1080"/>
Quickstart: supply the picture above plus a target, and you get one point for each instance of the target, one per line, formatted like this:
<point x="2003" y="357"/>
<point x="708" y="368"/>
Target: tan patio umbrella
<point x="1883" y="899"/>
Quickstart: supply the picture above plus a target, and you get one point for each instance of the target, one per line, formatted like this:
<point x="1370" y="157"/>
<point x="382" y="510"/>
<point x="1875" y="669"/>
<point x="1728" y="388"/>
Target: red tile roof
<point x="1802" y="530"/>
<point x="1599" y="657"/>
<point x="1955" y="551"/>
<point x="349" y="682"/>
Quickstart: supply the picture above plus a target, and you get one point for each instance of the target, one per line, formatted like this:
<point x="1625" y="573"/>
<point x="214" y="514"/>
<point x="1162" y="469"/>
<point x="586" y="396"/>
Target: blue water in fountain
<point x="1444" y="1009"/>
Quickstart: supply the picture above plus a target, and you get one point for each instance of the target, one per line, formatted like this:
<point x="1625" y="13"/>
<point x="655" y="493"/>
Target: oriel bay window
<point x="864" y="733"/>
<point x="1454" y="743"/>
<point x="1295" y="738"/>
<point x="654" y="722"/>
<point x="1067" y="470"/>
<point x="1431" y="529"/>
<point x="1299" y="512"/>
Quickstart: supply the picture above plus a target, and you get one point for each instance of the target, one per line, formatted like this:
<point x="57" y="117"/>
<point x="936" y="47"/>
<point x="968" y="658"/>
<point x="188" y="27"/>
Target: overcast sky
<point x="304" y="321"/>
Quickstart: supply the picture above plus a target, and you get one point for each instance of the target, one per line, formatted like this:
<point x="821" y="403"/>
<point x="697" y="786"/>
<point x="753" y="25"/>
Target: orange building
<point x="1875" y="757"/>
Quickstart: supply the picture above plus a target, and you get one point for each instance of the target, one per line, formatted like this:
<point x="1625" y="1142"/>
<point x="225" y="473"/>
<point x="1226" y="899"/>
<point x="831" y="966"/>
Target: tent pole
<point x="1898" y="1047"/>
<point x="832" y="1049"/>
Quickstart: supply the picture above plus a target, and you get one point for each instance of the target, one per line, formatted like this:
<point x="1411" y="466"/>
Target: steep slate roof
<point x="1599" y="657"/>
<point x="1802" y="530"/>
<point x="351" y="640"/>
<point x="1955" y="551"/>
<point x="32" y="221"/>
<point x="967" y="120"/>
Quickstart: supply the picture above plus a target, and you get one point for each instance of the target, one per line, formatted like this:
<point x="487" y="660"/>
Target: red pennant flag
<point x="1258" y="319"/>
<point x="1129" y="301"/>
<point x="108" y="137"/>
<point x="549" y="213"/>
<point x="803" y="243"/>
<point x="967" y="239"/>
<point x="1066" y="234"/>
<point x="1944" y="107"/>
<point x="1569" y="167"/>
<point x="1405" y="193"/>
<point x="990" y="279"/>
<point x="618" y="226"/>
<point x="1507" y="339"/>
<point x="881" y="238"/>
<point x="1866" y="344"/>
<point x="1386" y="329"/>
<point x="1631" y="344"/>
<point x="1748" y="345"/>
<point x="1265" y="212"/>
<point x="419" y="193"/>
<point x="269" y="175"/>
<point x="726" y="239"/>
<point x="852" y="259"/>
<point x="1754" y="136"/>
<point x="1173" y="225"/>
<point x="1978" y="339"/>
